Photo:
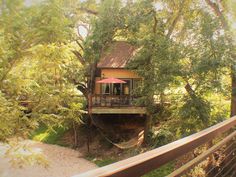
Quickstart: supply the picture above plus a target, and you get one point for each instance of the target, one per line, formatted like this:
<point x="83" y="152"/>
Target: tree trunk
<point x="225" y="25"/>
<point x="190" y="90"/>
<point x="75" y="135"/>
<point x="233" y="94"/>
<point x="89" y="124"/>
<point x="91" y="87"/>
<point x="148" y="125"/>
<point x="176" y="19"/>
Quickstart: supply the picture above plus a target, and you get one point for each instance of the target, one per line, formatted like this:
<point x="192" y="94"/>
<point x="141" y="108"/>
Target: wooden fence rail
<point x="188" y="166"/>
<point x="151" y="160"/>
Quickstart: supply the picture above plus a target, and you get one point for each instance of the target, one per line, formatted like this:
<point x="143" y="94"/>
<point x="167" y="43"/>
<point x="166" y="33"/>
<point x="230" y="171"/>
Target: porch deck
<point x="116" y="104"/>
<point x="118" y="110"/>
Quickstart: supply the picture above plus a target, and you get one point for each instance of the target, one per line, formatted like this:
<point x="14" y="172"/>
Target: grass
<point x="49" y="136"/>
<point x="104" y="162"/>
<point x="46" y="135"/>
<point x="161" y="172"/>
<point x="101" y="162"/>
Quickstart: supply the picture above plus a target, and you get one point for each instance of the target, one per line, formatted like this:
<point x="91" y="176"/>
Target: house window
<point x="116" y="89"/>
<point x="126" y="87"/>
<point x="106" y="89"/>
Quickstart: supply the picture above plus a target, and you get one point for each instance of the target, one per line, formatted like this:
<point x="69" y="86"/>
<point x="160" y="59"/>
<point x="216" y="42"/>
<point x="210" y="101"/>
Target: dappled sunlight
<point x="111" y="79"/>
<point x="41" y="137"/>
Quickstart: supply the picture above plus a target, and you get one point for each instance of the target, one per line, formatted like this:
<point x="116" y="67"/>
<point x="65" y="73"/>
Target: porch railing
<point x="154" y="159"/>
<point x="113" y="100"/>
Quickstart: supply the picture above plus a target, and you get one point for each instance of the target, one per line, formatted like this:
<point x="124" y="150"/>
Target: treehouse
<point x="116" y="87"/>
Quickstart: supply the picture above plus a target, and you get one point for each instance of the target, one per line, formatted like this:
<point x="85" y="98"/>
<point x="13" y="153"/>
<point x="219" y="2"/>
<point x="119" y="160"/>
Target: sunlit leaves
<point x="50" y="23"/>
<point x="38" y="70"/>
<point x="179" y="43"/>
<point x="13" y="119"/>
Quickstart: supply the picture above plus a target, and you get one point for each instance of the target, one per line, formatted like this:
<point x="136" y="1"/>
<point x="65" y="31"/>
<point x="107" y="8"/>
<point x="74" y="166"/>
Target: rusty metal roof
<point x="117" y="55"/>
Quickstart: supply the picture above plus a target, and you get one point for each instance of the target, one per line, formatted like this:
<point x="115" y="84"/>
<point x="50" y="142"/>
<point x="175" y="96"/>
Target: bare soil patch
<point x="63" y="162"/>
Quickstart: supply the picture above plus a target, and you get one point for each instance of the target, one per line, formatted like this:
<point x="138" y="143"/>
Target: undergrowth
<point x="47" y="135"/>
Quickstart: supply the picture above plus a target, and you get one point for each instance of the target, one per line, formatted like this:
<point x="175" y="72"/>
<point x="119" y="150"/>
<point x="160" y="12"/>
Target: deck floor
<point x="119" y="110"/>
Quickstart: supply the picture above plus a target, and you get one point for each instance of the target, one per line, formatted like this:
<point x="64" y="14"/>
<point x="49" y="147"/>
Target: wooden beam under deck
<point x="118" y="110"/>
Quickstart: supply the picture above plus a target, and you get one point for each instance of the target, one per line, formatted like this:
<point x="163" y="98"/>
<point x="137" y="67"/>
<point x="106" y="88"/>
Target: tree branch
<point x="172" y="26"/>
<point x="12" y="64"/>
<point x="79" y="56"/>
<point x="189" y="89"/>
<point x="77" y="42"/>
<point x="155" y="24"/>
<point x="81" y="87"/>
<point x="218" y="12"/>
<point x="88" y="11"/>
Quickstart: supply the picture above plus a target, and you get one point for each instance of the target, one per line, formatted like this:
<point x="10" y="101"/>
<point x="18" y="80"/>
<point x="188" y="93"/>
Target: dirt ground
<point x="63" y="162"/>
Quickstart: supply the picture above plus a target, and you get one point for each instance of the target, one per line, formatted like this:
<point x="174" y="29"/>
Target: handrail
<point x="102" y="100"/>
<point x="151" y="160"/>
<point x="201" y="157"/>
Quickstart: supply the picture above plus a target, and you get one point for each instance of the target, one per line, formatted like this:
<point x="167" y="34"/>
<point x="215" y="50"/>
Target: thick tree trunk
<point x="233" y="94"/>
<point x="91" y="87"/>
<point x="225" y="25"/>
<point x="149" y="118"/>
<point x="148" y="125"/>
<point x="89" y="123"/>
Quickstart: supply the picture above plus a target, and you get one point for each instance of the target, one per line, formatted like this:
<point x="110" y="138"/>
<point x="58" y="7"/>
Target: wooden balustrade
<point x="151" y="160"/>
<point x="113" y="100"/>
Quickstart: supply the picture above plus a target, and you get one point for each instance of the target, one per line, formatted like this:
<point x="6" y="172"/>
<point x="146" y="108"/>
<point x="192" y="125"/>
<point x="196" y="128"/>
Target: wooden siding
<point x="118" y="73"/>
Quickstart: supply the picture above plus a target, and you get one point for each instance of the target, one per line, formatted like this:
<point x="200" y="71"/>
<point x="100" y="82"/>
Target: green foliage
<point x="182" y="50"/>
<point x="100" y="162"/>
<point x="162" y="136"/>
<point x="13" y="119"/>
<point x="20" y="154"/>
<point x="103" y="29"/>
<point x="183" y="55"/>
<point x="194" y="114"/>
<point x="50" y="23"/>
<point x="47" y="135"/>
<point x="162" y="171"/>
<point x="104" y="162"/>
<point x="38" y="69"/>
<point x="192" y="59"/>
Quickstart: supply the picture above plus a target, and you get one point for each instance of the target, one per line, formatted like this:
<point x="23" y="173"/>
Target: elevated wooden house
<point x="114" y="97"/>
